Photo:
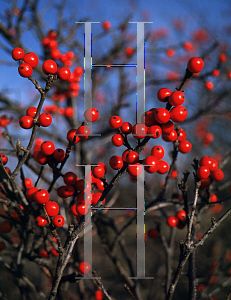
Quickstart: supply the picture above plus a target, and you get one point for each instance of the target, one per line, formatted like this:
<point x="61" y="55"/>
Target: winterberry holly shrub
<point x="65" y="168"/>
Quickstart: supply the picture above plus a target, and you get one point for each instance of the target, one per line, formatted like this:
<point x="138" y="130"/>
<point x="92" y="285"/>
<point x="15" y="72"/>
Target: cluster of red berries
<point x="208" y="171"/>
<point x="27" y="121"/>
<point x="45" y="253"/>
<point x="178" y="220"/>
<point x="4" y="161"/>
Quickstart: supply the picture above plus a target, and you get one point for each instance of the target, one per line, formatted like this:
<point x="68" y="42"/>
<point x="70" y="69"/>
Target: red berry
<point x="81" y="209"/>
<point x="41" y="221"/>
<point x="116" y="162"/>
<point x="158" y="151"/>
<point x="17" y="53"/>
<point x="132" y="157"/>
<point x="214" y="165"/>
<point x="129" y="51"/>
<point x="31" y="112"/>
<point x="26" y="122"/>
<point x="32" y="59"/>
<point x="41" y="196"/>
<point x="52" y="208"/>
<point x="135" y="169"/>
<point x="73" y="210"/>
<point x="78" y="71"/>
<point x="82" y="185"/>
<point x="30" y="193"/>
<point x="117" y="140"/>
<point x="45" y="42"/>
<point x="41" y="158"/>
<point x="139" y="131"/>
<point x="58" y="221"/>
<point x="106" y="25"/>
<point x="154" y="131"/>
<point x="213" y="198"/>
<point x="4" y="158"/>
<point x="217" y="175"/>
<point x="181" y="135"/>
<point x="209" y="85"/>
<point x="84" y="267"/>
<point x="55" y="54"/>
<point x="96" y="197"/>
<point x="203" y="172"/>
<point x="91" y="114"/>
<point x="54" y="252"/>
<point x="181" y="215"/>
<point x="206" y="161"/>
<point x="195" y="64"/>
<point x="99" y="184"/>
<point x="222" y="57"/>
<point x="162" y="115"/>
<point x="98" y="171"/>
<point x="115" y="122"/>
<point x="5" y="227"/>
<point x="52" y="34"/>
<point x="176" y="98"/>
<point x="153" y="233"/>
<point x="126" y="128"/>
<point x="163" y="94"/>
<point x="25" y="70"/>
<point x="124" y="155"/>
<point x="98" y="295"/>
<point x="174" y="174"/>
<point x="64" y="73"/>
<point x="83" y="132"/>
<point x="49" y="67"/>
<point x="151" y="164"/>
<point x="170" y="52"/>
<point x="71" y="136"/>
<point x="184" y="146"/>
<point x="167" y="127"/>
<point x="178" y="114"/>
<point x="70" y="178"/>
<point x="43" y="254"/>
<point x="47" y="148"/>
<point x="148" y="118"/>
<point x="45" y="119"/>
<point x="28" y="183"/>
<point x="53" y="44"/>
<point x="69" y="112"/>
<point x="65" y="191"/>
<point x="59" y="155"/>
<point x="172" y="221"/>
<point x="170" y="137"/>
<point x="163" y="167"/>
<point x="215" y="73"/>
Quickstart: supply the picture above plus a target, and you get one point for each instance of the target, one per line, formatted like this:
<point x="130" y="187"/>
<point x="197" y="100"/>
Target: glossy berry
<point x="49" y="67"/>
<point x="132" y="157"/>
<point x="58" y="221"/>
<point x="41" y="196"/>
<point x="65" y="191"/>
<point x="206" y="161"/>
<point x="4" y="158"/>
<point x="170" y="137"/>
<point x="139" y="131"/>
<point x="154" y="131"/>
<point x="30" y="193"/>
<point x="162" y="115"/>
<point x="69" y="112"/>
<point x="73" y="210"/>
<point x="59" y="155"/>
<point x="52" y="208"/>
<point x="195" y="64"/>
<point x="184" y="146"/>
<point x="181" y="215"/>
<point x="41" y="158"/>
<point x="32" y="59"/>
<point x="116" y="162"/>
<point x="55" y="54"/>
<point x="64" y="73"/>
<point x="96" y="197"/>
<point x="28" y="183"/>
<point x="172" y="221"/>
<point x="135" y="169"/>
<point x="45" y="120"/>
<point x="70" y="178"/>
<point x="99" y="184"/>
<point x="178" y="114"/>
<point x="126" y="128"/>
<point x="26" y="122"/>
<point x="83" y="132"/>
<point x="163" y="167"/>
<point x="41" y="221"/>
<point x="117" y="140"/>
<point x="5" y="227"/>
<point x="217" y="175"/>
<point x="203" y="172"/>
<point x="176" y="98"/>
<point x="84" y="267"/>
<point x="153" y="233"/>
<point x="82" y="185"/>
<point x="158" y="151"/>
<point x="98" y="171"/>
<point x="17" y="53"/>
<point x="71" y="136"/>
<point x="163" y="94"/>
<point x="25" y="70"/>
<point x="115" y="122"/>
<point x="31" y="111"/>
<point x="181" y="134"/>
<point x="47" y="148"/>
<point x="174" y="174"/>
<point x="148" y="118"/>
<point x="81" y="209"/>
<point x="214" y="165"/>
<point x="151" y="164"/>
<point x="91" y="114"/>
